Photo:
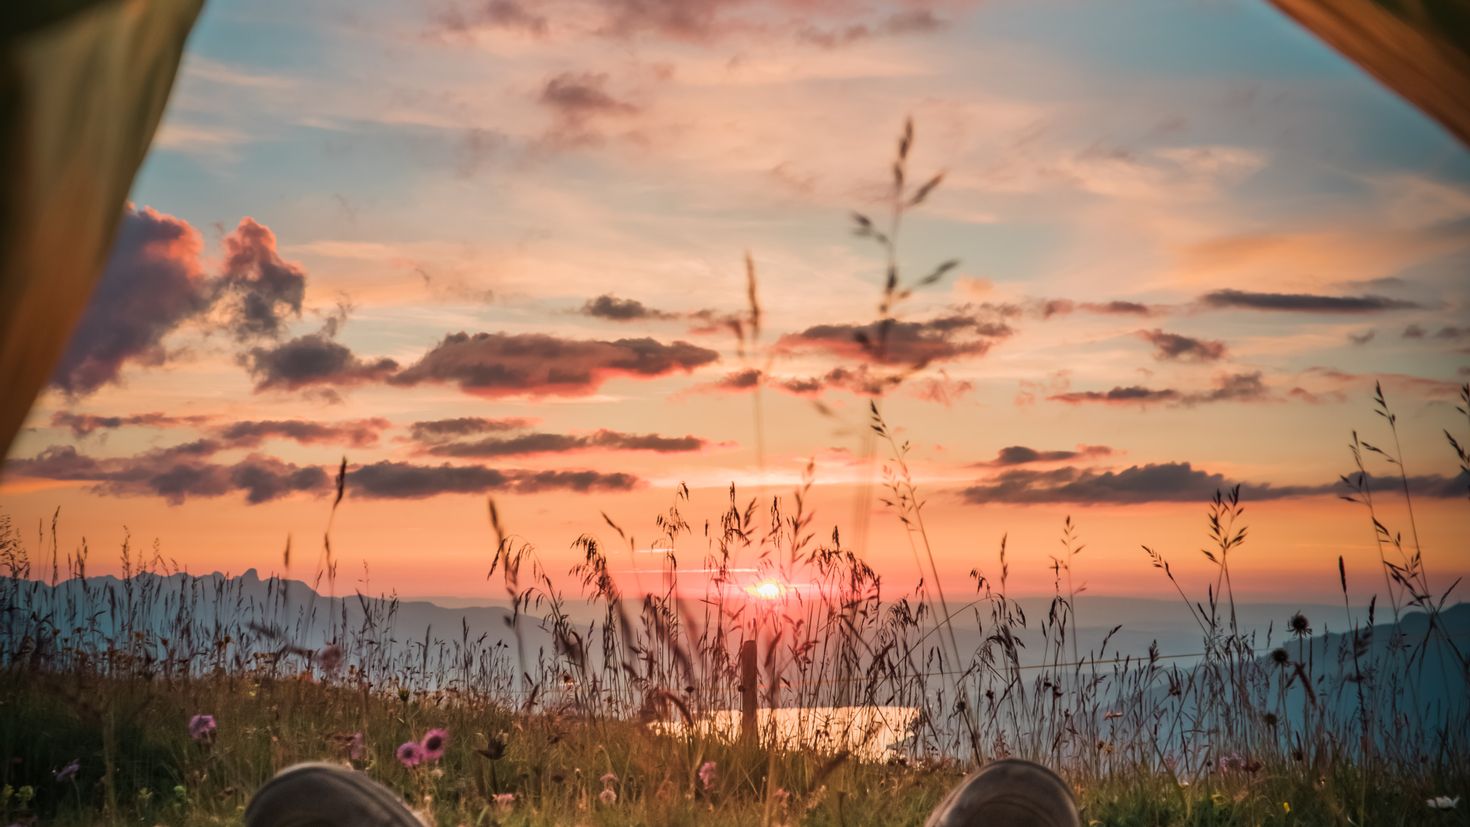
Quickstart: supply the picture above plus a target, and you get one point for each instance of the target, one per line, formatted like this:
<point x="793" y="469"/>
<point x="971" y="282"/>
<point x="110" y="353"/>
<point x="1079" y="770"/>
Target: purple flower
<point x="433" y="744"/>
<point x="69" y="771"/>
<point x="202" y="727"/>
<point x="707" y="774"/>
<point x="329" y="657"/>
<point x="355" y="749"/>
<point x="410" y="754"/>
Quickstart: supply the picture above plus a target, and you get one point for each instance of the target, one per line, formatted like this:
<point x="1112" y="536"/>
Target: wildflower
<point x="608" y="796"/>
<point x="433" y="744"/>
<point x="505" y="801"/>
<point x="1280" y="656"/>
<point x="329" y="657"/>
<point x="202" y="727"/>
<point x="781" y="796"/>
<point x="609" y="778"/>
<point x="409" y="754"/>
<point x="1286" y="807"/>
<point x="1443" y="802"/>
<point x="69" y="771"/>
<point x="1299" y="625"/>
<point x="707" y="774"/>
<point x="1232" y="763"/>
<point x="355" y="748"/>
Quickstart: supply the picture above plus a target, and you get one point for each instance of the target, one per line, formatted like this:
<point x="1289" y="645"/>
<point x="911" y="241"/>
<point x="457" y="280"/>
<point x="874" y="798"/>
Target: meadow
<point x="160" y="697"/>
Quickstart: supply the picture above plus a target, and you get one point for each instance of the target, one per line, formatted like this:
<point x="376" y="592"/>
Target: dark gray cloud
<point x="261" y="288"/>
<point x="1165" y="482"/>
<point x="82" y="425"/>
<point x="401" y="480"/>
<point x="494" y="364"/>
<point x="581" y="95"/>
<point x="740" y="380"/>
<point x="911" y="21"/>
<point x="1179" y="348"/>
<point x="152" y="284"/>
<point x="1362" y="338"/>
<point x="1304" y="302"/>
<point x="906" y="343"/>
<point x="315" y="359"/>
<point x="436" y="430"/>
<point x="1047" y="308"/>
<point x="544" y="443"/>
<point x="1235" y="387"/>
<point x="608" y="306"/>
<point x="492" y="14"/>
<point x="1447" y="333"/>
<point x="174" y="474"/>
<point x="1022" y="455"/>
<point x="358" y="433"/>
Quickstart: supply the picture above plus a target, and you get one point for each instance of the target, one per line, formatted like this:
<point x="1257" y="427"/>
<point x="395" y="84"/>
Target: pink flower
<point x="69" y="771"/>
<point x="505" y="800"/>
<point x="355" y="749"/>
<point x="329" y="657"/>
<point x="609" y="778"/>
<point x="410" y="754"/>
<point x="707" y="774"/>
<point x="433" y="744"/>
<point x="202" y="727"/>
<point x="608" y="796"/>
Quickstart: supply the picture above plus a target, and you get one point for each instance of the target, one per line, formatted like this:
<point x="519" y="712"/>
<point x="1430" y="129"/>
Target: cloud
<point x="1448" y="333"/>
<point x="82" y="425"/>
<point x="1304" y="302"/>
<point x="358" y="433"/>
<point x="740" y="380"/>
<point x="435" y="430"/>
<point x="1363" y="337"/>
<point x="912" y="21"/>
<point x="912" y="344"/>
<point x="400" y="480"/>
<point x="1021" y="455"/>
<point x="152" y="284"/>
<point x="611" y="307"/>
<point x="1164" y="482"/>
<point x="544" y="443"/>
<point x="1235" y="387"/>
<point x="577" y="100"/>
<point x="498" y="364"/>
<point x="261" y="287"/>
<point x="175" y="474"/>
<point x="494" y="14"/>
<point x="582" y="94"/>
<point x="1179" y="348"/>
<point x="315" y="359"/>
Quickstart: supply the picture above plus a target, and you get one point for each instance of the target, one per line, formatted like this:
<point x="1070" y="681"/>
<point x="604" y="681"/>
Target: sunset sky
<point x="494" y="248"/>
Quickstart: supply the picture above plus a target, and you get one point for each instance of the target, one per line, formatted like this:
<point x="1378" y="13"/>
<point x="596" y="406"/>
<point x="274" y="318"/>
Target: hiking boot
<point x="1008" y="793"/>
<point x="326" y="795"/>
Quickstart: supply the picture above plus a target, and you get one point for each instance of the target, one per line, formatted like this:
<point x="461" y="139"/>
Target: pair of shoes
<point x="1008" y="793"/>
<point x="326" y="795"/>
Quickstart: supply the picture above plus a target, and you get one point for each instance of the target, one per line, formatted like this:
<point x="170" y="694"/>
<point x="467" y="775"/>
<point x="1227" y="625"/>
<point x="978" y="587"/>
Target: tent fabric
<point x="1418" y="48"/>
<point x="83" y="84"/>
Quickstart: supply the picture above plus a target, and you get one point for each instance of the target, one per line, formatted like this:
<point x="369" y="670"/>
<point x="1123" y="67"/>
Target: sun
<point x="768" y="590"/>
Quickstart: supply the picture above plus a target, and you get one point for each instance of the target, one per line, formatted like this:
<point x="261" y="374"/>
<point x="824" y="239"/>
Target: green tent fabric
<point x="83" y="84"/>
